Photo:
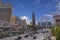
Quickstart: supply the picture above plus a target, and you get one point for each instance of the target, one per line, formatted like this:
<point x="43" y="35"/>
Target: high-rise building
<point x="46" y="24"/>
<point x="23" y="23"/>
<point x="38" y="25"/>
<point x="5" y="26"/>
<point x="33" y="19"/>
<point x="0" y="2"/>
<point x="57" y="20"/>
<point x="15" y="20"/>
<point x="5" y="11"/>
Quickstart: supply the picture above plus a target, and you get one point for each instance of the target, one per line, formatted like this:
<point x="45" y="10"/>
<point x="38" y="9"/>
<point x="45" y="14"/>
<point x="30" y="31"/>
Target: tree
<point x="56" y="32"/>
<point x="32" y="27"/>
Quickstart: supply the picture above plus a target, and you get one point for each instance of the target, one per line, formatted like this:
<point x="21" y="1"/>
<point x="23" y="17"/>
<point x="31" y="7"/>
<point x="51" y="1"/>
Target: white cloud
<point x="57" y="1"/>
<point x="27" y="19"/>
<point x="49" y="15"/>
<point x="58" y="7"/>
<point x="46" y="20"/>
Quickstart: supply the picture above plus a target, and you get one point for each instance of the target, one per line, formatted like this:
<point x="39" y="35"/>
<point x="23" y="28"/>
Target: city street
<point x="40" y="36"/>
<point x="29" y="19"/>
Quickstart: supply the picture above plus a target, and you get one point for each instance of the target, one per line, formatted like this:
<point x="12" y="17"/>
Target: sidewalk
<point x="53" y="38"/>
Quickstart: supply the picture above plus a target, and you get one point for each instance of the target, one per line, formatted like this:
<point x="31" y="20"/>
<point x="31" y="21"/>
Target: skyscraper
<point x="5" y="11"/>
<point x="33" y="19"/>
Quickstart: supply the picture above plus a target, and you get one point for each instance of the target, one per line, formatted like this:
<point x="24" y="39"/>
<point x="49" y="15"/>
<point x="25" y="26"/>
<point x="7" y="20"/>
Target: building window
<point x="5" y="24"/>
<point x="0" y="24"/>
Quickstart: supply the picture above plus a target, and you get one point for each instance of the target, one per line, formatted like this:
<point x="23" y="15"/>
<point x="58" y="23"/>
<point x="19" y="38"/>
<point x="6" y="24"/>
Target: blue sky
<point x="40" y="7"/>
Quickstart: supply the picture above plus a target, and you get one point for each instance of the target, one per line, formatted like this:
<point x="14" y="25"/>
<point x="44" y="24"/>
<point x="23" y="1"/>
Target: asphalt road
<point x="41" y="36"/>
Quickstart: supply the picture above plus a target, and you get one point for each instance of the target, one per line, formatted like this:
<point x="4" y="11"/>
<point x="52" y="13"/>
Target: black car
<point x="19" y="38"/>
<point x="26" y="36"/>
<point x="31" y="35"/>
<point x="34" y="37"/>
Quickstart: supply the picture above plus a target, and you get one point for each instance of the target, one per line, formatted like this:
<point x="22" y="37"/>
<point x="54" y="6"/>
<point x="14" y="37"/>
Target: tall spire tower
<point x="33" y="18"/>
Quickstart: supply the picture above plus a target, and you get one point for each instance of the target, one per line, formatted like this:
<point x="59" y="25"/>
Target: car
<point x="1" y="37"/>
<point x="37" y="32"/>
<point x="19" y="38"/>
<point x="31" y="35"/>
<point x="26" y="36"/>
<point x="34" y="33"/>
<point x="34" y="37"/>
<point x="43" y="32"/>
<point x="47" y="31"/>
